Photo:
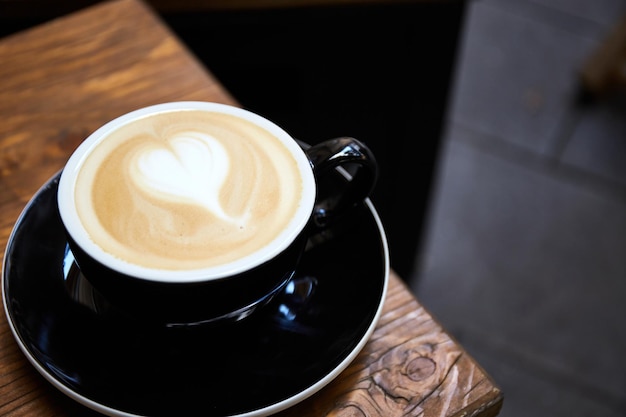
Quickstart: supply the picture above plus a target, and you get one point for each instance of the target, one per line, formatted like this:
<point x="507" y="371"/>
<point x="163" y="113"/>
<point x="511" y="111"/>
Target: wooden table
<point x="63" y="79"/>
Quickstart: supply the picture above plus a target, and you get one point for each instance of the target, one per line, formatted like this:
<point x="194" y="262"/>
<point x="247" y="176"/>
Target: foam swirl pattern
<point x="187" y="190"/>
<point x="192" y="167"/>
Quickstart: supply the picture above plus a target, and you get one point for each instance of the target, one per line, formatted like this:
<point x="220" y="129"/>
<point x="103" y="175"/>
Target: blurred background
<point x="503" y="181"/>
<point x="524" y="258"/>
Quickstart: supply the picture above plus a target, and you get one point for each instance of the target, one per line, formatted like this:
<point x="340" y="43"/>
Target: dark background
<point x="378" y="71"/>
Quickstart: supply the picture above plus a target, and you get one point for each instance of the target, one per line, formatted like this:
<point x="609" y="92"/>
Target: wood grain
<point x="409" y="367"/>
<point x="64" y="79"/>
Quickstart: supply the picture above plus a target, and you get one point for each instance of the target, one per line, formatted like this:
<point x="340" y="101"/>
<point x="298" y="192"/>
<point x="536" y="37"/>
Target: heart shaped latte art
<point x="192" y="166"/>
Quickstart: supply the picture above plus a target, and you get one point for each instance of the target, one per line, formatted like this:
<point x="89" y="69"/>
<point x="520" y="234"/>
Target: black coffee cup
<point x="117" y="187"/>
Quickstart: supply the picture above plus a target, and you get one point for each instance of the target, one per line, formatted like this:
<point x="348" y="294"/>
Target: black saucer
<point x="257" y="366"/>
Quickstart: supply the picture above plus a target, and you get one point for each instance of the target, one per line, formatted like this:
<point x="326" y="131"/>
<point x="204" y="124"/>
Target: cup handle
<point x="360" y="171"/>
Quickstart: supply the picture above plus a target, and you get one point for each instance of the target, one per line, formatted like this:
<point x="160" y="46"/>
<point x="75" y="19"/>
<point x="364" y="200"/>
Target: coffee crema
<point x="187" y="189"/>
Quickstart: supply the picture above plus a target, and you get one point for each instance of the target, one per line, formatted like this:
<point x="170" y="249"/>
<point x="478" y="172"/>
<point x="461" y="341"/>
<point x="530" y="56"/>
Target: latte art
<point x="187" y="189"/>
<point x="191" y="166"/>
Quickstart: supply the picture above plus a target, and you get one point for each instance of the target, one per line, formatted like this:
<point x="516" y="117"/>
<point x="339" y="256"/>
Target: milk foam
<point x="193" y="166"/>
<point x="188" y="190"/>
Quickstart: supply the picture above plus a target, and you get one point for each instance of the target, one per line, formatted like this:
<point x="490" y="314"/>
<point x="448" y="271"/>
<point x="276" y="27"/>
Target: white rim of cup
<point x="70" y="219"/>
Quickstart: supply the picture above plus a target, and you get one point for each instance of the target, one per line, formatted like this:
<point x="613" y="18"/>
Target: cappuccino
<point x="187" y="189"/>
